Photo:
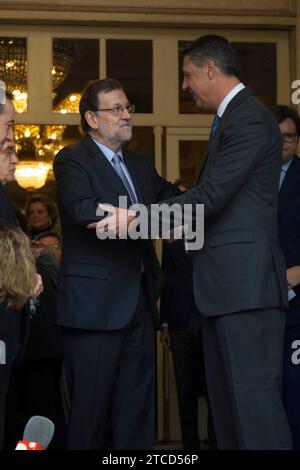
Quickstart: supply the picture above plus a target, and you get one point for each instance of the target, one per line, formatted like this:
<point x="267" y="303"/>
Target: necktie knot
<point x="215" y="124"/>
<point x="116" y="158"/>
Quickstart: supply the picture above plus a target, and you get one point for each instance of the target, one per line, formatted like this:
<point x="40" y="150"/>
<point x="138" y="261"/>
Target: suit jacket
<point x="100" y="279"/>
<point x="177" y="300"/>
<point x="241" y="265"/>
<point x="289" y="229"/>
<point x="10" y="322"/>
<point x="7" y="212"/>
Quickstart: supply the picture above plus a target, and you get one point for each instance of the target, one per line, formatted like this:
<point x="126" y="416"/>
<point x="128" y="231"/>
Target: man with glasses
<point x="289" y="237"/>
<point x="106" y="295"/>
<point x="10" y="320"/>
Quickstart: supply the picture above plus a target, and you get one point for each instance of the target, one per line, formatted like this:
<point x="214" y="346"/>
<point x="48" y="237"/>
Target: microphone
<point x="37" y="435"/>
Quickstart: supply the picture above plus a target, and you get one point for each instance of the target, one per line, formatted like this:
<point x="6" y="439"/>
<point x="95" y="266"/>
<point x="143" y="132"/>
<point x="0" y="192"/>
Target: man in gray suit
<point x="239" y="276"/>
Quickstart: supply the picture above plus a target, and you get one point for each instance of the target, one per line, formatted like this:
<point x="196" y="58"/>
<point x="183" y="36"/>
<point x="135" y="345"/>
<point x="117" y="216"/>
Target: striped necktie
<point x="282" y="176"/>
<point x="118" y="167"/>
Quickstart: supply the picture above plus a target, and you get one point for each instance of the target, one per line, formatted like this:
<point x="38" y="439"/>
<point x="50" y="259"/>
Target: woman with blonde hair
<point x="18" y="282"/>
<point x="18" y="270"/>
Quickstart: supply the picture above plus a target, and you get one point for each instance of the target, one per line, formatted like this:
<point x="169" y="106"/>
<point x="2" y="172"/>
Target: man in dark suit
<point x="10" y="320"/>
<point x="289" y="238"/>
<point x="8" y="156"/>
<point x="181" y="334"/>
<point x="106" y="294"/>
<point x="239" y="276"/>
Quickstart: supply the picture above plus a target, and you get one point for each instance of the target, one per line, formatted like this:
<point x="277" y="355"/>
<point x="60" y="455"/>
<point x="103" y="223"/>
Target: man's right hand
<point x="165" y="338"/>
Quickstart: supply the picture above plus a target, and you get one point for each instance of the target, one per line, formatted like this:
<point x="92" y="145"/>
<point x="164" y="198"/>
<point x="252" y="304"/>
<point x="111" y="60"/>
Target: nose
<point x="185" y="84"/>
<point x="10" y="134"/>
<point x="14" y="159"/>
<point x="126" y="114"/>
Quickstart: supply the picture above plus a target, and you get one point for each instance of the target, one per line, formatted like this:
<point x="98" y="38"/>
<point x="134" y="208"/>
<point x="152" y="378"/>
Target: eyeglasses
<point x="50" y="246"/>
<point x="289" y="137"/>
<point x="119" y="109"/>
<point x="10" y="150"/>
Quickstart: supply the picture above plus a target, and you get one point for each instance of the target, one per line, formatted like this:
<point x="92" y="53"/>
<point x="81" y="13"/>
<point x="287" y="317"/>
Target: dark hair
<point x="282" y="112"/>
<point x="89" y="97"/>
<point x="216" y="48"/>
<point x="47" y="202"/>
<point x="8" y="96"/>
<point x="47" y="233"/>
<point x="188" y="184"/>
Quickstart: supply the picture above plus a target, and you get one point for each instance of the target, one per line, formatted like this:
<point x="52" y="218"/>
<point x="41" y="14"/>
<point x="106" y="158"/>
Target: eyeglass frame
<point x="130" y="108"/>
<point x="292" y="137"/>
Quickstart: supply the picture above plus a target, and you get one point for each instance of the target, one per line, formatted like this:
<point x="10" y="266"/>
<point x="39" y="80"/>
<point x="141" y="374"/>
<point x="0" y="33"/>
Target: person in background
<point x="47" y="249"/>
<point x="289" y="238"/>
<point x="41" y="213"/>
<point x="17" y="278"/>
<point x="10" y="319"/>
<point x="35" y="384"/>
<point x="181" y="334"/>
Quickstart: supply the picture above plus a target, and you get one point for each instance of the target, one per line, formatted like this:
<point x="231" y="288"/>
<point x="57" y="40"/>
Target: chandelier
<point x="13" y="62"/>
<point x="37" y="143"/>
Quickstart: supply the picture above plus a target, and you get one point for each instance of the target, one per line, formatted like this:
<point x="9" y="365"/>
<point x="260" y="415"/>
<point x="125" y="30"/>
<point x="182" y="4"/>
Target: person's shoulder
<point x="296" y="161"/>
<point x="71" y="153"/>
<point x="138" y="158"/>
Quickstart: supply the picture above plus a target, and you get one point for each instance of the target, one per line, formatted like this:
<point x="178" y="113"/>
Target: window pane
<point x="130" y="62"/>
<point x="143" y="142"/>
<point x="75" y="62"/>
<point x="30" y="139"/>
<point x="258" y="67"/>
<point x="191" y="155"/>
<point x="13" y="69"/>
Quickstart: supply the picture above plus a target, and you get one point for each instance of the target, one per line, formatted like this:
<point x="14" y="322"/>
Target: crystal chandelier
<point x="13" y="62"/>
<point x="37" y="143"/>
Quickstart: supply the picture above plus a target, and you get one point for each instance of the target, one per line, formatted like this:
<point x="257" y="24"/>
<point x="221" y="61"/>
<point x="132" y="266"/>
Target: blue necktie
<point x="118" y="167"/>
<point x="282" y="176"/>
<point x="215" y="124"/>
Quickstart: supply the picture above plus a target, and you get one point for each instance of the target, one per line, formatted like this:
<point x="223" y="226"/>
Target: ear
<point x="211" y="69"/>
<point x="91" y="119"/>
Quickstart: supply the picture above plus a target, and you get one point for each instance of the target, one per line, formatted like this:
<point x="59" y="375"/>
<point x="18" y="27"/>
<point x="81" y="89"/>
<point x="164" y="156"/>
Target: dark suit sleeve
<point x="74" y="189"/>
<point x="244" y="142"/>
<point x="164" y="189"/>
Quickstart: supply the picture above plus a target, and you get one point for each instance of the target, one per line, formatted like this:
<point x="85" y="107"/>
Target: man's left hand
<point x="116" y="222"/>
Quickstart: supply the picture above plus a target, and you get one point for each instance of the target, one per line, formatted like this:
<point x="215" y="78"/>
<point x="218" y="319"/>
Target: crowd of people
<point x="78" y="311"/>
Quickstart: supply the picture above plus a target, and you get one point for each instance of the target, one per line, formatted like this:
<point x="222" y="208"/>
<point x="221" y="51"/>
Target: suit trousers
<point x="187" y="354"/>
<point x="112" y="383"/>
<point x="243" y="360"/>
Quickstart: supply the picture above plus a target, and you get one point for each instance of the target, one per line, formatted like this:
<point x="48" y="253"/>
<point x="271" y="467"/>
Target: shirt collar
<point x="109" y="153"/>
<point x="285" y="166"/>
<point x="228" y="98"/>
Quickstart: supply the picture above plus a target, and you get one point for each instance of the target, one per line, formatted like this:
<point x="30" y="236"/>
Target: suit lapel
<point x="104" y="169"/>
<point x="241" y="96"/>
<point x="135" y="174"/>
<point x="290" y="181"/>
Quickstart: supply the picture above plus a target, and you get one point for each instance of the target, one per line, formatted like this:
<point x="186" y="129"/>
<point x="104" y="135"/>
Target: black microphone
<point x="37" y="435"/>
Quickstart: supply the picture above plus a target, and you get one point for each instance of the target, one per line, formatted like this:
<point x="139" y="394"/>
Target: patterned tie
<point x="282" y="176"/>
<point x="215" y="124"/>
<point x="118" y="167"/>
